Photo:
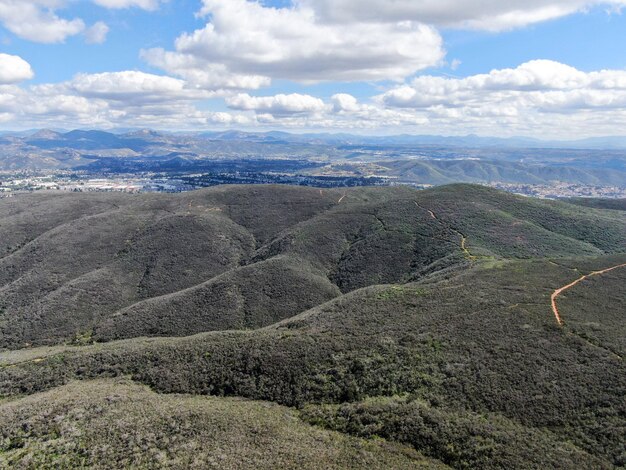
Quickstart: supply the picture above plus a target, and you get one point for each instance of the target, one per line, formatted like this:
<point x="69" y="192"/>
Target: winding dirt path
<point x="464" y="247"/>
<point x="558" y="292"/>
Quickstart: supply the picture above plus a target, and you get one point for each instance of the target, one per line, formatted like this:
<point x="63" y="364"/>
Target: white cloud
<point x="132" y="87"/>
<point x="198" y="73"/>
<point x="491" y="15"/>
<point x="37" y="21"/>
<point x="46" y="102"/>
<point x="250" y="39"/>
<point x="106" y="100"/>
<point x="144" y="4"/>
<point x="118" y="85"/>
<point x="277" y="105"/>
<point x="344" y="102"/>
<point x="538" y="82"/>
<point x="538" y="97"/>
<point x="44" y="108"/>
<point x="97" y="34"/>
<point x="14" y="69"/>
<point x="349" y="112"/>
<point x="305" y="111"/>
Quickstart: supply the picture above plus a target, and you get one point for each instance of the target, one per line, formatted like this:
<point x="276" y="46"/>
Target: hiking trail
<point x="559" y="291"/>
<point x="463" y="237"/>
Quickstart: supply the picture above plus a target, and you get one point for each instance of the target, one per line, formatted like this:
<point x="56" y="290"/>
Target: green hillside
<point x="481" y="170"/>
<point x="117" y="424"/>
<point x="241" y="257"/>
<point x="613" y="204"/>
<point x="421" y="318"/>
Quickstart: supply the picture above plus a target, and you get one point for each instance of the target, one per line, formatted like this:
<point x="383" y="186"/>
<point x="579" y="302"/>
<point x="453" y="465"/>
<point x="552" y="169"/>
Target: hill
<point x="110" y="267"/>
<point x="480" y="170"/>
<point x="613" y="204"/>
<point x="128" y="429"/>
<point x="423" y="318"/>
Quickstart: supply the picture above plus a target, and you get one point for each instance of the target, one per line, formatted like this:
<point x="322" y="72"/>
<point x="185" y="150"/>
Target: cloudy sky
<point x="541" y="68"/>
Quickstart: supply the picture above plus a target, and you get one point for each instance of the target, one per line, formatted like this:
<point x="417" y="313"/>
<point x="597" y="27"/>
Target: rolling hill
<point x="480" y="170"/>
<point x="408" y="328"/>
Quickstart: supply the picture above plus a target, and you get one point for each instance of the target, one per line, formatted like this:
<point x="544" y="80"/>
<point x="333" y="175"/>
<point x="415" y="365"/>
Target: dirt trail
<point x="464" y="247"/>
<point x="17" y="364"/>
<point x="463" y="237"/>
<point x="558" y="292"/>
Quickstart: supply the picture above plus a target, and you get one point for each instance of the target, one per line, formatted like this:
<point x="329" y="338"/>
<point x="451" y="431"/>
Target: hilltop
<point x="414" y="324"/>
<point x="112" y="266"/>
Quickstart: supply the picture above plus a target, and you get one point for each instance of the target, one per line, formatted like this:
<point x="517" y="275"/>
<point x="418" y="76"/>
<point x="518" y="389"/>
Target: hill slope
<point x="424" y="318"/>
<point x="127" y="432"/>
<point x="108" y="266"/>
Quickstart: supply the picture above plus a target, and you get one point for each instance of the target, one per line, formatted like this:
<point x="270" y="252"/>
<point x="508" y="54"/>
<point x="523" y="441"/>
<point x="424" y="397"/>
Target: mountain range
<point x="457" y="327"/>
<point x="470" y="140"/>
<point x="407" y="159"/>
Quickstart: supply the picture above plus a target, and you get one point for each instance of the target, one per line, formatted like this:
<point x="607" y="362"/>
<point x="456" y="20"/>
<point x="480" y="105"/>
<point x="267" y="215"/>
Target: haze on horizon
<point x="549" y="69"/>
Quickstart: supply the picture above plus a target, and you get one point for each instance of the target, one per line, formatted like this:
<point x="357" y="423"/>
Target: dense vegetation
<point x="422" y="318"/>
<point x="108" y="266"/>
<point x="116" y="424"/>
<point x="614" y="204"/>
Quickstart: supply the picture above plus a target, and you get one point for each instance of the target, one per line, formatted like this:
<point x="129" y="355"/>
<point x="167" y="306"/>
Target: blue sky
<point x="542" y="68"/>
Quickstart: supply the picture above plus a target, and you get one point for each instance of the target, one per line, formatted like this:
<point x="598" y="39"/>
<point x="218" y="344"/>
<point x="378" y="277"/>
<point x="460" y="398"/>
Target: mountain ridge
<point x="422" y="318"/>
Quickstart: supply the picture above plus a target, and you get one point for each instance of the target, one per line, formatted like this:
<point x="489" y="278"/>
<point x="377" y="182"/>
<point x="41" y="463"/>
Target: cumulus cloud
<point x="132" y="86"/>
<point x="250" y="39"/>
<point x="294" y="103"/>
<point x="347" y="111"/>
<point x="112" y="99"/>
<point x="343" y="102"/>
<point x="14" y="69"/>
<point x="304" y="111"/>
<point x="538" y="97"/>
<point x="97" y="33"/>
<point x="541" y="84"/>
<point x="46" y="102"/>
<point x="197" y="72"/>
<point x="37" y="21"/>
<point x="491" y="15"/>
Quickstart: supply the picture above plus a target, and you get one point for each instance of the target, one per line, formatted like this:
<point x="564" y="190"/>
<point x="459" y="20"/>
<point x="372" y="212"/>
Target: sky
<point x="537" y="68"/>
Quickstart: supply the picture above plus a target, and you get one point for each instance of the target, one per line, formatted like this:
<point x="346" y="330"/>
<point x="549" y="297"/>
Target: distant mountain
<point x="45" y="134"/>
<point x="471" y="141"/>
<point x="77" y="140"/>
<point x="104" y="139"/>
<point x="412" y="158"/>
<point x="488" y="171"/>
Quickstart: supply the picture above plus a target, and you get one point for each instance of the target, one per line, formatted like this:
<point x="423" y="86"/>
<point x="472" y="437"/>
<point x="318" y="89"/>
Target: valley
<point x="150" y="161"/>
